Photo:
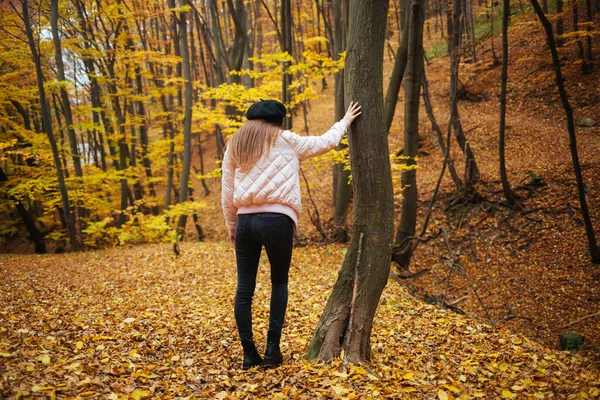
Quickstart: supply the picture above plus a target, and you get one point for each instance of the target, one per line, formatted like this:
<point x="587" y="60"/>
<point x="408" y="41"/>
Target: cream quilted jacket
<point x="273" y="184"/>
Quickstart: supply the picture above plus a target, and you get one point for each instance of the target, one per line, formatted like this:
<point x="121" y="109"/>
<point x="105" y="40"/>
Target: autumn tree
<point x="403" y="246"/>
<point x="346" y="322"/>
<point x="47" y="125"/>
<point x="508" y="193"/>
<point x="593" y="247"/>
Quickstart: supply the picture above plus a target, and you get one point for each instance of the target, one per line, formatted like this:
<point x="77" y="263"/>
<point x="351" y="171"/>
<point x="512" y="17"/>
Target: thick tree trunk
<point x="508" y="193"/>
<point x="187" y="116"/>
<point x="60" y="69"/>
<point x="402" y="252"/>
<point x="589" y="229"/>
<point x="374" y="207"/>
<point x="47" y="126"/>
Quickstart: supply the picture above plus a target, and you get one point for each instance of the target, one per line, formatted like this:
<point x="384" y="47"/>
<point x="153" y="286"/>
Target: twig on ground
<point x="577" y="321"/>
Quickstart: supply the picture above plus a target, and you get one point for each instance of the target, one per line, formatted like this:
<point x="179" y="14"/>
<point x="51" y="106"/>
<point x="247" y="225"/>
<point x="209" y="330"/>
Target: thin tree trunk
<point x="187" y="116"/>
<point x="589" y="18"/>
<point x="494" y="57"/>
<point x="508" y="193"/>
<point x="402" y="251"/>
<point x="286" y="46"/>
<point x="589" y="229"/>
<point x="47" y="126"/>
<point x="341" y="175"/>
<point x="559" y="24"/>
<point x="374" y="206"/>
<point x="60" y="69"/>
<point x="584" y="63"/>
<point x="34" y="233"/>
<point x="393" y="90"/>
<point x="455" y="35"/>
<point x="445" y="147"/>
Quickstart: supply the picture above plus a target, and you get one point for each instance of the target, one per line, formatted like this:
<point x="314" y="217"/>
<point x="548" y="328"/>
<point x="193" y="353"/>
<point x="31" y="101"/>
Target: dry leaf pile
<point x="133" y="323"/>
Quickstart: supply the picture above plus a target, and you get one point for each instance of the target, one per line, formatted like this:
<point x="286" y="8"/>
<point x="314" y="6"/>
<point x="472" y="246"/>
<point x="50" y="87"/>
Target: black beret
<point x="269" y="110"/>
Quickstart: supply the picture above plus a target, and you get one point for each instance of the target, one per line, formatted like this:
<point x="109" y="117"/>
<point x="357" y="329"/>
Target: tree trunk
<point x="402" y="252"/>
<point x="471" y="23"/>
<point x="374" y="206"/>
<point x="585" y="67"/>
<point x="589" y="229"/>
<point x="286" y="46"/>
<point x="187" y="116"/>
<point x="341" y="179"/>
<point x="494" y="58"/>
<point x="34" y="233"/>
<point x="47" y="126"/>
<point x="60" y="69"/>
<point x="141" y="112"/>
<point x="508" y="193"/>
<point x="589" y="18"/>
<point x="445" y="147"/>
<point x="455" y="37"/>
<point x="559" y="24"/>
<point x="393" y="90"/>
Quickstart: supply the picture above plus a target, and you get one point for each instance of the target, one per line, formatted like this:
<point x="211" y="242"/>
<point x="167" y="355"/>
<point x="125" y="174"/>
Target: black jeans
<point x="276" y="232"/>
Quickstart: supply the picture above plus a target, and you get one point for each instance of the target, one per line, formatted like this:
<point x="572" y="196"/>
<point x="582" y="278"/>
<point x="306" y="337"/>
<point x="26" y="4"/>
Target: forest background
<point x="115" y="116"/>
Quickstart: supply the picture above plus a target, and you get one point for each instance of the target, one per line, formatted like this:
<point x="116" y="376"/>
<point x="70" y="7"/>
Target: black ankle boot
<point x="273" y="356"/>
<point x="251" y="356"/>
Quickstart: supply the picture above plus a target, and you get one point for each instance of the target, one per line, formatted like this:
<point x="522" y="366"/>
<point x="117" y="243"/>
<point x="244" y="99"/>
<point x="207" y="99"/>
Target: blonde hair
<point x="251" y="141"/>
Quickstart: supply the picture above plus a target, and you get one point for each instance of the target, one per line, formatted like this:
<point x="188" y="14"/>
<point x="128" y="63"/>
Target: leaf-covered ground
<point x="141" y="322"/>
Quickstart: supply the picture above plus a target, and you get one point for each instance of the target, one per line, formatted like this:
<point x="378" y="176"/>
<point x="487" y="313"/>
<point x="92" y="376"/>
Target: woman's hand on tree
<point x="353" y="112"/>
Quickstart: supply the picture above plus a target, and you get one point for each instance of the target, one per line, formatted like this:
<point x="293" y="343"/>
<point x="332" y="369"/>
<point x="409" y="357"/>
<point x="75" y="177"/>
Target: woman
<point x="261" y="203"/>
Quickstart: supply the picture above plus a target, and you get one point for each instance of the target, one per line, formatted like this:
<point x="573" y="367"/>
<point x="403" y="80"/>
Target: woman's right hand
<point x="353" y="112"/>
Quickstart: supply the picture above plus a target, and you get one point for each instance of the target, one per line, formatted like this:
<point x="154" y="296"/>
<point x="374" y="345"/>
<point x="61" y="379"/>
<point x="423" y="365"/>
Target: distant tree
<point x="508" y="193"/>
<point x="286" y="46"/>
<point x="47" y="126"/>
<point x="64" y="95"/>
<point x="187" y="113"/>
<point x="589" y="228"/>
<point x="403" y="245"/>
<point x="347" y="320"/>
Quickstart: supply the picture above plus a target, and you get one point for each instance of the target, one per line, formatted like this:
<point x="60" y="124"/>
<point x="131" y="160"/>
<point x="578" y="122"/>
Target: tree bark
<point x="34" y="233"/>
<point x="508" y="193"/>
<point x="560" y="30"/>
<point x="60" y="69"/>
<point x="341" y="175"/>
<point x="393" y="90"/>
<point x="47" y="127"/>
<point x="589" y="229"/>
<point x="455" y="30"/>
<point x="187" y="115"/>
<point x="402" y="251"/>
<point x="286" y="46"/>
<point x="374" y="206"/>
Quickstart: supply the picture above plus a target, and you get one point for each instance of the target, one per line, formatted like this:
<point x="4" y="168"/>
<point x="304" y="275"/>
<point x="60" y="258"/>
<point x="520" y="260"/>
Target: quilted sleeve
<point x="227" y="183"/>
<point x="311" y="146"/>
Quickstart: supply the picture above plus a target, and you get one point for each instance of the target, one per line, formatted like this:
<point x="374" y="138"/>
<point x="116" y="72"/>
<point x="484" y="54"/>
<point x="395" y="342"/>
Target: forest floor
<point x="141" y="322"/>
